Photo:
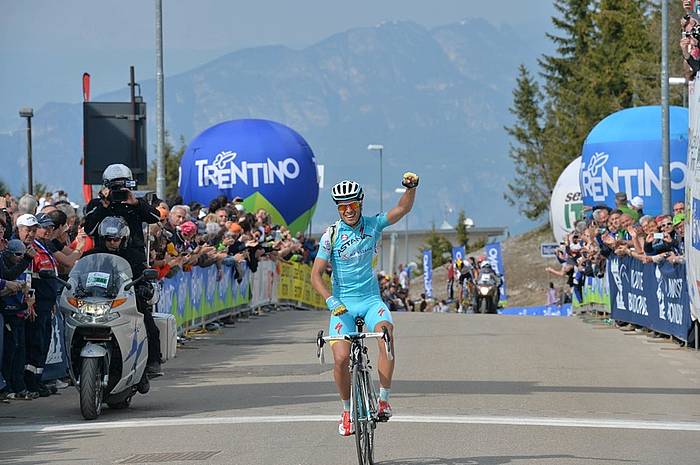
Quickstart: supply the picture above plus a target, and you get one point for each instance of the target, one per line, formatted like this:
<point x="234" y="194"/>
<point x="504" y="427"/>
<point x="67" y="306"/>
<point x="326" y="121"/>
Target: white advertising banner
<point x="692" y="202"/>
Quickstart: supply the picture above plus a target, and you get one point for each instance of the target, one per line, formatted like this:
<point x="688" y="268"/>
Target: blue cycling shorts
<point x="372" y="309"/>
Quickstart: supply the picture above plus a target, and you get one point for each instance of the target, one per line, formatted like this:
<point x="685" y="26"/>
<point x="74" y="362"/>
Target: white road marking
<point x="465" y="420"/>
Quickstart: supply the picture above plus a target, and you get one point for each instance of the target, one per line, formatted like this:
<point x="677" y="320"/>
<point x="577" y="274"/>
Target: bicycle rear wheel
<point x="364" y="433"/>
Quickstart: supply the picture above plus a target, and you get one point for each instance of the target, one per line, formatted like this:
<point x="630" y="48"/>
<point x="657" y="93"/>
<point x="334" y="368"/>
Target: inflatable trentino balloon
<point x="622" y="153"/>
<point x="266" y="163"/>
<point x="566" y="207"/>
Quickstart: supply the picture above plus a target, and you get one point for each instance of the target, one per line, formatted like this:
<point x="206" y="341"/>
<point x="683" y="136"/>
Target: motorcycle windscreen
<point x="100" y="275"/>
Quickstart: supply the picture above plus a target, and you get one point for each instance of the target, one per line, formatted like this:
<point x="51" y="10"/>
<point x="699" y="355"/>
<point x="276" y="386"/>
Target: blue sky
<point x="46" y="45"/>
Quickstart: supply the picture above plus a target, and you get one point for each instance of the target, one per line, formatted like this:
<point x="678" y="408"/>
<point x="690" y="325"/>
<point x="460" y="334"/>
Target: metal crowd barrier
<point x="653" y="296"/>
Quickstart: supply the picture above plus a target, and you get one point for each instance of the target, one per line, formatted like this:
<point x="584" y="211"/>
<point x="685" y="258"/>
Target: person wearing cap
<point x="679" y="228"/>
<point x="117" y="200"/>
<point x="637" y="204"/>
<point x="621" y="204"/>
<point x="15" y="306"/>
<point x="38" y="330"/>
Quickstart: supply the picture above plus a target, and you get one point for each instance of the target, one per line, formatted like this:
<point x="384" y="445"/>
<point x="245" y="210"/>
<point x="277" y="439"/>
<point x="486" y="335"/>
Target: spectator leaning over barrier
<point x="38" y="330"/>
<point x="622" y="205"/>
<point x="679" y="208"/>
<point x="16" y="305"/>
<point x="637" y="204"/>
<point x="689" y="43"/>
<point x="679" y="229"/>
<point x="665" y="241"/>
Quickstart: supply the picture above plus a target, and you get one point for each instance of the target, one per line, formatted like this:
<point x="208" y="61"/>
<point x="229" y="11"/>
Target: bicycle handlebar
<point x="384" y="335"/>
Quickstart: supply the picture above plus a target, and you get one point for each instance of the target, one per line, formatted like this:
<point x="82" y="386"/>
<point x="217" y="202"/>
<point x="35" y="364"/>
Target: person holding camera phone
<point x="17" y="306"/>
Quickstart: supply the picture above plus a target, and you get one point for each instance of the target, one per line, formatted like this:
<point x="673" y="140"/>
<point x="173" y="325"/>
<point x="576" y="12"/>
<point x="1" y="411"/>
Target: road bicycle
<point x="363" y="393"/>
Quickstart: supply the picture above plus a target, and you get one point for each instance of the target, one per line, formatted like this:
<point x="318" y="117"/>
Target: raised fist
<point x="410" y="180"/>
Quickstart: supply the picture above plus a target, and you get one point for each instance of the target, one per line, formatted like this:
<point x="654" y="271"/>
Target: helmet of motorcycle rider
<point x="116" y="172"/>
<point x="345" y="191"/>
<point x="114" y="228"/>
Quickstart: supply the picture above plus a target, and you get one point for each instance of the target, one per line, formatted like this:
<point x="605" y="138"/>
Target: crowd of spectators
<point x="690" y="38"/>
<point x="625" y="230"/>
<point x="48" y="233"/>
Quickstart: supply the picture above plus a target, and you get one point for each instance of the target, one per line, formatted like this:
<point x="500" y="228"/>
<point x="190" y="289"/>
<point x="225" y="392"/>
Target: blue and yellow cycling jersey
<point x="352" y="252"/>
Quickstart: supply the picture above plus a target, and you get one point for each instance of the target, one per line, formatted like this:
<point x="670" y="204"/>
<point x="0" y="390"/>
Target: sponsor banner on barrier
<point x="428" y="272"/>
<point x="458" y="254"/>
<point x="56" y="359"/>
<point x="545" y="310"/>
<point x="195" y="295"/>
<point x="495" y="256"/>
<point x="653" y="296"/>
<point x="295" y="285"/>
<point x="264" y="284"/>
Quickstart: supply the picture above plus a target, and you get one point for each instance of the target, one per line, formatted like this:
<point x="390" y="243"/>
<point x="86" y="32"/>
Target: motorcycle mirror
<point x="150" y="274"/>
<point x="50" y="274"/>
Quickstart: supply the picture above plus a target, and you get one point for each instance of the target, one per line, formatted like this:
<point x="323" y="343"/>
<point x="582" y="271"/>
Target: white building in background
<point x="417" y="237"/>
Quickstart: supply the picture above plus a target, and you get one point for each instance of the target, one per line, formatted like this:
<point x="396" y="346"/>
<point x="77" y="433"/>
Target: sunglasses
<point x="19" y="254"/>
<point x="351" y="205"/>
<point x="665" y="225"/>
<point x="113" y="239"/>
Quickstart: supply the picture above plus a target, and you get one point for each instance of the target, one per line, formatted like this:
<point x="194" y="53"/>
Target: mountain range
<point x="437" y="99"/>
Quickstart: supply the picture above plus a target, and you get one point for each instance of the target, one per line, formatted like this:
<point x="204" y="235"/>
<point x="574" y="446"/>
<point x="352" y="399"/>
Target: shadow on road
<point x="494" y="460"/>
<point x="41" y="447"/>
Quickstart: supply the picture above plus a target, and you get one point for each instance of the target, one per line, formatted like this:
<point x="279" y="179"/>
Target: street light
<point x="401" y="190"/>
<point x="380" y="148"/>
<point x="28" y="113"/>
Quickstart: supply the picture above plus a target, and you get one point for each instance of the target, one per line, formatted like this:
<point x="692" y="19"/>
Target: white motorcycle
<point x="105" y="335"/>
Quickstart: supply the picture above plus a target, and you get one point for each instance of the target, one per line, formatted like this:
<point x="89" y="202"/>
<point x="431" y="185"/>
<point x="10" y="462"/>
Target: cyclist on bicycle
<point x="350" y="245"/>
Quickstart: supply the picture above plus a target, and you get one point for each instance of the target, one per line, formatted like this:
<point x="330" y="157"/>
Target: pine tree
<point x="563" y="87"/>
<point x="534" y="180"/>
<point x="172" y="159"/>
<point x="441" y="248"/>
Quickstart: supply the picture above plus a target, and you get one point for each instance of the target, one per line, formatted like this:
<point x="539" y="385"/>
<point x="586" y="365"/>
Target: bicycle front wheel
<point x="364" y="433"/>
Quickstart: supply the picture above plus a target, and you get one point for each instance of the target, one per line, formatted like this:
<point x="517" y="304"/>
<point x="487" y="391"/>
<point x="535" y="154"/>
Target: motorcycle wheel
<point x="91" y="390"/>
<point x="490" y="305"/>
<point x="481" y="305"/>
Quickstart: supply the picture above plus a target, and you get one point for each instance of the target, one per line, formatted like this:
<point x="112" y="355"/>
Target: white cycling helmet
<point x="485" y="264"/>
<point x="347" y="190"/>
<point x="116" y="171"/>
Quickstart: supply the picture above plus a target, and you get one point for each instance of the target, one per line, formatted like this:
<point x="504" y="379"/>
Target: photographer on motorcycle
<point x="117" y="200"/>
<point x="112" y="238"/>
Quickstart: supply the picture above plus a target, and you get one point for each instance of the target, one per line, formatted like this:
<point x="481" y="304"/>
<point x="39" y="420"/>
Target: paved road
<point x="474" y="389"/>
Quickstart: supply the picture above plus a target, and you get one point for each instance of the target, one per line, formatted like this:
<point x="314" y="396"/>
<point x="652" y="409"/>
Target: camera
<point x="119" y="190"/>
<point x="694" y="33"/>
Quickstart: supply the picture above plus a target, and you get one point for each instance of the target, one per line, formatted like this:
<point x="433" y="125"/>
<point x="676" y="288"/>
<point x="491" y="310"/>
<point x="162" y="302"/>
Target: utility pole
<point x="665" y="127"/>
<point x="160" y="112"/>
